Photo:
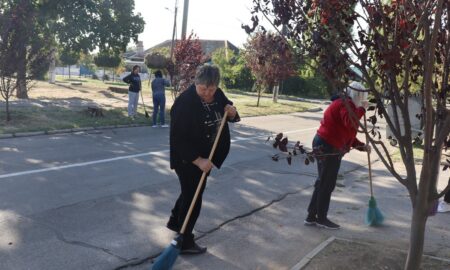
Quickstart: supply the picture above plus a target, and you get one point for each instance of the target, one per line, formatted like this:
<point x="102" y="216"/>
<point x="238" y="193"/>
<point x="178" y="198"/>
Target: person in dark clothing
<point x="159" y="98"/>
<point x="335" y="137"/>
<point x="134" y="80"/>
<point x="444" y="205"/>
<point x="195" y="118"/>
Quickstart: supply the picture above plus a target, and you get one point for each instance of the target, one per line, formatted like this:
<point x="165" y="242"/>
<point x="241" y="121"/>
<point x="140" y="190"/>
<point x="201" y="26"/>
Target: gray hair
<point x="207" y="75"/>
<point x="357" y="92"/>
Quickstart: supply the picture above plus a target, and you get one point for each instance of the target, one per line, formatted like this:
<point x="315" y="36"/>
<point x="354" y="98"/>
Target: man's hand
<point x="203" y="164"/>
<point x="231" y="111"/>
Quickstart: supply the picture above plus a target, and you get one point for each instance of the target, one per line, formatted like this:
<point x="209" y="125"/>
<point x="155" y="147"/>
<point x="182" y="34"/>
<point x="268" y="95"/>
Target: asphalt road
<point x="100" y="199"/>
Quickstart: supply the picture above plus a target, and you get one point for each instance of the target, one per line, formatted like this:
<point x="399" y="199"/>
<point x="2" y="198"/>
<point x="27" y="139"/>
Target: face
<point x="136" y="71"/>
<point x="206" y="93"/>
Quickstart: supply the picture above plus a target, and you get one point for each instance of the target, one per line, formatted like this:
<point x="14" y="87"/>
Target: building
<point x="208" y="46"/>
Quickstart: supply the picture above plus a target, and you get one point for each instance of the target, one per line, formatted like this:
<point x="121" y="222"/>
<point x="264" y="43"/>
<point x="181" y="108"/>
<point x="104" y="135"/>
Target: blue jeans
<point x="159" y="104"/>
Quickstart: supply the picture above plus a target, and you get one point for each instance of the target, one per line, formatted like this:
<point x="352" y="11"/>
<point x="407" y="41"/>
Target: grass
<point x="54" y="118"/>
<point x="65" y="106"/>
<point x="418" y="154"/>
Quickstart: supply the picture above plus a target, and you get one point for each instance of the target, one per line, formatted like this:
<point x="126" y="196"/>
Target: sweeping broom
<point x="145" y="110"/>
<point x="167" y="259"/>
<point x="374" y="217"/>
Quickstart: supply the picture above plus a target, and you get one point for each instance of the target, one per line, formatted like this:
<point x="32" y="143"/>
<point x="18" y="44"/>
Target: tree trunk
<point x="69" y="72"/>
<point x="259" y="96"/>
<point x="275" y="93"/>
<point x="8" y="115"/>
<point x="51" y="70"/>
<point x="419" y="219"/>
<point x="22" y="74"/>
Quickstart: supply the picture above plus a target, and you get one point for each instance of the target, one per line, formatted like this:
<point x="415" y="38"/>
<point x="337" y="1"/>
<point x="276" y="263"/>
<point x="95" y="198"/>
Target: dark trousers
<point x="189" y="176"/>
<point x="328" y="168"/>
<point x="159" y="104"/>
<point x="447" y="197"/>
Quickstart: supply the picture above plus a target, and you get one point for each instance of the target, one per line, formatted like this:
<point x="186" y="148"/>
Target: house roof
<point x="208" y="45"/>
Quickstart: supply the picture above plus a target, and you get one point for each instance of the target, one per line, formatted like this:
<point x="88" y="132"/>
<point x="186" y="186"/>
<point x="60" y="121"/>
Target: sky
<point x="209" y="19"/>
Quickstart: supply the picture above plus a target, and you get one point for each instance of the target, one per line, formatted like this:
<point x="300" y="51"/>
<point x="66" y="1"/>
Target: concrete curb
<point x="74" y="130"/>
<point x="63" y="131"/>
<point x="301" y="264"/>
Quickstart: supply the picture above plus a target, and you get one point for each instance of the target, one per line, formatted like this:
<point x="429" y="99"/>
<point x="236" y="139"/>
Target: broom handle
<point x="368" y="156"/>
<point x="202" y="179"/>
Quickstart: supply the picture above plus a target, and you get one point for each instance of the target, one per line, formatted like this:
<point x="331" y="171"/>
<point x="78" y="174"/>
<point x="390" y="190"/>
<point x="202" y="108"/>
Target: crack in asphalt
<point x="133" y="262"/>
<point x="60" y="236"/>
<point x="205" y="233"/>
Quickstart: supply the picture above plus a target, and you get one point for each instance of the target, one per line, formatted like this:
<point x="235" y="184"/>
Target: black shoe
<point x="173" y="225"/>
<point x="193" y="249"/>
<point x="310" y="221"/>
<point x="327" y="224"/>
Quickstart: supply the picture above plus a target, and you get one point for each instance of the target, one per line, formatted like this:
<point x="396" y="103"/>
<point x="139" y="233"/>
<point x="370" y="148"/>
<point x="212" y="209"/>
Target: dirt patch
<point x="342" y="254"/>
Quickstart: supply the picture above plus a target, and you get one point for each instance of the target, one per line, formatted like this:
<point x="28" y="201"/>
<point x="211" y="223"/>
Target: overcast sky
<point x="209" y="19"/>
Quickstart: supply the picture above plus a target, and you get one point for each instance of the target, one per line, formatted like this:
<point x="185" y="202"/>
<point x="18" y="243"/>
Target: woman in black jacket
<point x="195" y="118"/>
<point x="134" y="80"/>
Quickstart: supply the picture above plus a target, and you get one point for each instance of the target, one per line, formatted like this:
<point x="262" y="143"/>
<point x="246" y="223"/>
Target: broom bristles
<point x="167" y="259"/>
<point x="374" y="217"/>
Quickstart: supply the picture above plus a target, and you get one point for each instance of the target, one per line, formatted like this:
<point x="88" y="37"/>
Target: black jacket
<point x="189" y="137"/>
<point x="134" y="80"/>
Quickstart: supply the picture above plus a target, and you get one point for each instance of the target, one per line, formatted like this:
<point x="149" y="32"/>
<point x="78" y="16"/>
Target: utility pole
<point x="185" y="17"/>
<point x="174" y="30"/>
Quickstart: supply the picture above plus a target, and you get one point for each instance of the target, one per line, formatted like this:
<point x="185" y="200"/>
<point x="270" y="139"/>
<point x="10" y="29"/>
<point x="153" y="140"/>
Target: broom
<point x="145" y="110"/>
<point x="167" y="259"/>
<point x="374" y="217"/>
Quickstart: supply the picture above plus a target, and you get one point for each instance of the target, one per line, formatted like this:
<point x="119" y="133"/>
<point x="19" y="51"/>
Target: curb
<point x="74" y="130"/>
<point x="64" y="131"/>
<point x="301" y="264"/>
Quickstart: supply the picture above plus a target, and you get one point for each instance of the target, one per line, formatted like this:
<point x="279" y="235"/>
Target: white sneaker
<point x="154" y="126"/>
<point x="165" y="126"/>
<point x="443" y="207"/>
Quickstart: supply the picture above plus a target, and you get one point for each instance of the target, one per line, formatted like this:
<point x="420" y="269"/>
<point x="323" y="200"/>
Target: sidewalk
<point x="274" y="237"/>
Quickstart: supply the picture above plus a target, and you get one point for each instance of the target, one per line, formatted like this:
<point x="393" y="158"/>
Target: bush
<point x="105" y="77"/>
<point x="94" y="76"/>
<point x="308" y="86"/>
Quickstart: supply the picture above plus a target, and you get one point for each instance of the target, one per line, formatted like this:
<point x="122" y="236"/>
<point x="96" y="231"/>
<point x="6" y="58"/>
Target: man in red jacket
<point x="335" y="137"/>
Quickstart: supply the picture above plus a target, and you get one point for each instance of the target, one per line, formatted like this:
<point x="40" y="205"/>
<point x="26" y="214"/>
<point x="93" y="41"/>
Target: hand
<point x="203" y="164"/>
<point x="231" y="111"/>
<point x="365" y="104"/>
<point x="367" y="148"/>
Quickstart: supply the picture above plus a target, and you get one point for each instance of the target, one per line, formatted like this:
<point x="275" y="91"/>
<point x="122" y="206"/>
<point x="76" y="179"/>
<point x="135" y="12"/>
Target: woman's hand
<point x="231" y="111"/>
<point x="367" y="148"/>
<point x="203" y="164"/>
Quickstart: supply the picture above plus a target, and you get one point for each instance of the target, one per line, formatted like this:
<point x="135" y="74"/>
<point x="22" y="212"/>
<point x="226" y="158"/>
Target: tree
<point x="398" y="45"/>
<point x="76" y="26"/>
<point x="188" y="55"/>
<point x="14" y="42"/>
<point x="270" y="59"/>
<point x="233" y="69"/>
<point x="107" y="59"/>
<point x="69" y="58"/>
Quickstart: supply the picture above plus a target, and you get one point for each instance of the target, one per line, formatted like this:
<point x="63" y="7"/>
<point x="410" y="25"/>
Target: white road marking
<point x="155" y="153"/>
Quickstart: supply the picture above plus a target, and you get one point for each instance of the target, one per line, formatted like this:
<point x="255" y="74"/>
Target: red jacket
<point x="337" y="127"/>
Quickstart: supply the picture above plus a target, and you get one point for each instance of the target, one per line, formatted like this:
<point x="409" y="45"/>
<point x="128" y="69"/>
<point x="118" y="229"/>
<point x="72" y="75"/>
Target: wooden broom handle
<point x="368" y="156"/>
<point x="202" y="179"/>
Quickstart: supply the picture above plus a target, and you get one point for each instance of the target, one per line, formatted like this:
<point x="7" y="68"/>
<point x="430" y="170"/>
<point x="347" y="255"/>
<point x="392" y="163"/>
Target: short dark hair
<point x="136" y="67"/>
<point x="208" y="75"/>
<point x="158" y="74"/>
